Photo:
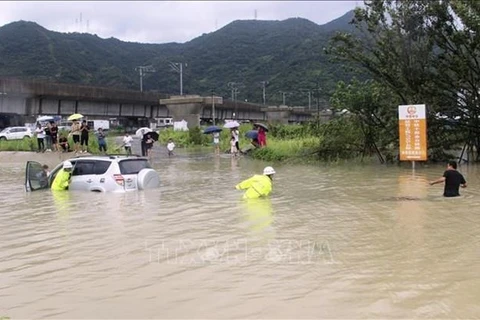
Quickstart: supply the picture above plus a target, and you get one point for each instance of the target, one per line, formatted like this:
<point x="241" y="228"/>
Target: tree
<point x="373" y="106"/>
<point x="424" y="51"/>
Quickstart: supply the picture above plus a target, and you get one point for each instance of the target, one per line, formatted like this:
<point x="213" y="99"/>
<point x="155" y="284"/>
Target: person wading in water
<point x="453" y="180"/>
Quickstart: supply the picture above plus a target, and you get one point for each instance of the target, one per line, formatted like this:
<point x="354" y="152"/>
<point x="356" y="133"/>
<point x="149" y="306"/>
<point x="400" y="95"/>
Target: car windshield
<point x="4" y="130"/>
<point x="133" y="166"/>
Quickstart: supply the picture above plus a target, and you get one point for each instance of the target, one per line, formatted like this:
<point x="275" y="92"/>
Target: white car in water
<point x="110" y="173"/>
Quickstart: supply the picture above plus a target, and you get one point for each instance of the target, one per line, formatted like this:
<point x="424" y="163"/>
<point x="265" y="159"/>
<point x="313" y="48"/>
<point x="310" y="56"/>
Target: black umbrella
<point x="252" y="134"/>
<point x="264" y="126"/>
<point x="212" y="129"/>
<point x="154" y="135"/>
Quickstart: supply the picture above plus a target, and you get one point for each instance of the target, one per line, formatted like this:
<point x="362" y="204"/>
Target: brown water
<point x="331" y="242"/>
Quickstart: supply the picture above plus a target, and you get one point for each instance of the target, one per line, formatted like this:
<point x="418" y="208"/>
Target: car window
<point x="133" y="166"/>
<point x="36" y="176"/>
<point x="90" y="167"/>
<point x="101" y="167"/>
<point x="83" y="168"/>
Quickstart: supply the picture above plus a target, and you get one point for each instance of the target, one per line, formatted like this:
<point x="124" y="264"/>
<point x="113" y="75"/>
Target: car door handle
<point x="89" y="180"/>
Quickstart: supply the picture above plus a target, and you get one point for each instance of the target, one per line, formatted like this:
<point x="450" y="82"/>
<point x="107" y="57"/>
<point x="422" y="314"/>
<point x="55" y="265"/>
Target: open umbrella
<point x="212" y="129"/>
<point x="264" y="126"/>
<point x="140" y="132"/>
<point x="252" y="134"/>
<point x="75" y="116"/>
<point x="231" y="124"/>
<point x="154" y="135"/>
<point x="45" y="118"/>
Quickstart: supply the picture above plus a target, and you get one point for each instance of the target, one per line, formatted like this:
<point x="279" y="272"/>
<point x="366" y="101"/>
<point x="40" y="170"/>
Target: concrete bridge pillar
<point x="280" y="114"/>
<point x="189" y="107"/>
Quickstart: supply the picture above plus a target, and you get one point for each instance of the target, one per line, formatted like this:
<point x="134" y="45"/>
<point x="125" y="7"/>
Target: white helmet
<point x="67" y="165"/>
<point x="268" y="171"/>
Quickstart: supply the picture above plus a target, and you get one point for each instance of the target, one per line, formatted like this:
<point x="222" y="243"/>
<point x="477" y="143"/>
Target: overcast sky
<point x="162" y="21"/>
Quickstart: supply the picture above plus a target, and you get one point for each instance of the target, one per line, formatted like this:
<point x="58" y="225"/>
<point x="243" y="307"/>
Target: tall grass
<point x="19" y="145"/>
<point x="294" y="150"/>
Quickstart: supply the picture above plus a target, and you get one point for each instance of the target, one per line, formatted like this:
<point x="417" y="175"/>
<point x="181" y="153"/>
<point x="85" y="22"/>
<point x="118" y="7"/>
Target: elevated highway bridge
<point x="26" y="99"/>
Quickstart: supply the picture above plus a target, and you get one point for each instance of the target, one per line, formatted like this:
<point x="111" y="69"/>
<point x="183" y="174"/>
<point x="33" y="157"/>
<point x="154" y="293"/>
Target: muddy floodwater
<point x="331" y="242"/>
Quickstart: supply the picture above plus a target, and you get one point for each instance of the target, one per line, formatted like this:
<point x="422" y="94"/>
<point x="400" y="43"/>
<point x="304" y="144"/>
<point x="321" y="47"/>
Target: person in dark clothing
<point x="102" y="144"/>
<point x="143" y="145"/>
<point x="453" y="180"/>
<point x="84" y="136"/>
<point x="63" y="142"/>
<point x="54" y="135"/>
<point x="148" y="146"/>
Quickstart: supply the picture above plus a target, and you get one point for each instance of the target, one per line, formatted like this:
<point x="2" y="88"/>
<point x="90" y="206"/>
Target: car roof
<point x="110" y="157"/>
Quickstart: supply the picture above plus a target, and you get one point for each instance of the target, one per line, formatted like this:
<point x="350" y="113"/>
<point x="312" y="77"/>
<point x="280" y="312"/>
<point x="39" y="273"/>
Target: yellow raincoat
<point x="258" y="213"/>
<point x="61" y="181"/>
<point x="257" y="186"/>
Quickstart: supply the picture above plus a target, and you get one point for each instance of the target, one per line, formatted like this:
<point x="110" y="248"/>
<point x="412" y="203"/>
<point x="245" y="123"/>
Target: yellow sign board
<point x="413" y="132"/>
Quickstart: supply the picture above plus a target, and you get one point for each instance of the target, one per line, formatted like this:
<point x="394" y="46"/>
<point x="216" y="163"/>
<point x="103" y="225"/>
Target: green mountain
<point x="288" y="54"/>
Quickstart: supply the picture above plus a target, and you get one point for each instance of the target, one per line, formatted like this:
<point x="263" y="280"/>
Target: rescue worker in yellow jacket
<point x="258" y="185"/>
<point x="62" y="179"/>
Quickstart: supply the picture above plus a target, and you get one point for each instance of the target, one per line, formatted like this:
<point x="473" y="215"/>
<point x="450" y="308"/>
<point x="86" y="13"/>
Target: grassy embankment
<point x="331" y="142"/>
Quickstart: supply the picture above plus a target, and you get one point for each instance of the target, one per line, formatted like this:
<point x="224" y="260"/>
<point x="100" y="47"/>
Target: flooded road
<point x="331" y="242"/>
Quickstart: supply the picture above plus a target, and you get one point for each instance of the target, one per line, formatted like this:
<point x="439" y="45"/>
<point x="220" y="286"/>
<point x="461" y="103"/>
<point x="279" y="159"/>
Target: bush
<point x="195" y="136"/>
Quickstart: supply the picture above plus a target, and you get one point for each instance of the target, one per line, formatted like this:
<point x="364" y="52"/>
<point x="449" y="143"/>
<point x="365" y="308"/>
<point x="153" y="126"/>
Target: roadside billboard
<point x="413" y="132"/>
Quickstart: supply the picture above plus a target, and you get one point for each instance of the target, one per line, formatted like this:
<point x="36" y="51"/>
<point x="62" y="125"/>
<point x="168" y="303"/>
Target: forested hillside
<point x="289" y="54"/>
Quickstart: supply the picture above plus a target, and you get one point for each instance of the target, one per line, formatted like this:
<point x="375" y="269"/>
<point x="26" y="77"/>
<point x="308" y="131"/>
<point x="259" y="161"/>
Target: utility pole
<point x="309" y="92"/>
<point x="235" y="94"/>
<point x="178" y="66"/>
<point x="283" y="96"/>
<point x="3" y="93"/>
<point x="234" y="88"/>
<point x="142" y="70"/>
<point x="318" y="105"/>
<point x="309" y="99"/>
<point x="213" y="107"/>
<point x="264" y="84"/>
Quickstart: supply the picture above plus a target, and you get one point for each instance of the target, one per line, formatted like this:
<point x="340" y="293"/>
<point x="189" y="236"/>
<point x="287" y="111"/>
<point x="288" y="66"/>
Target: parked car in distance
<point x="110" y="173"/>
<point x="16" y="133"/>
